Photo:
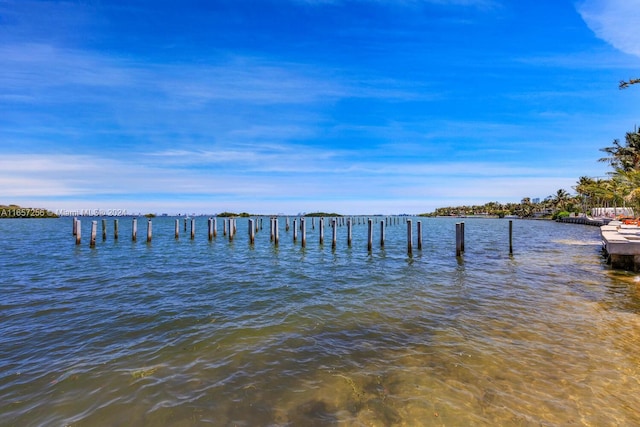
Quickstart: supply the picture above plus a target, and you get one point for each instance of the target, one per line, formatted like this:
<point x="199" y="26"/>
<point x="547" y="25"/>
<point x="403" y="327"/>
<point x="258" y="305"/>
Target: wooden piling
<point x="510" y="237"/>
<point x="224" y="227"/>
<point x="177" y="230"/>
<point x="75" y="225"/>
<point x="382" y="224"/>
<point x="115" y="229"/>
<point x="370" y="235"/>
<point x="334" y="238"/>
<point x="321" y="226"/>
<point x="215" y="227"/>
<point x="276" y="237"/>
<point x="193" y="228"/>
<point x="303" y="229"/>
<point x="185" y="224"/>
<point x="210" y="229"/>
<point x="419" y="235"/>
<point x="78" y="229"/>
<point x="232" y="228"/>
<point x="94" y="230"/>
<point x="458" y="239"/>
<point x="409" y="238"/>
<point x="462" y="236"/>
<point x="271" y="231"/>
<point x="295" y="231"/>
<point x="349" y="232"/>
<point x="252" y="232"/>
<point x="104" y="230"/>
<point x="149" y="228"/>
<point x="134" y="229"/>
<point x="286" y="224"/>
<point x="313" y="223"/>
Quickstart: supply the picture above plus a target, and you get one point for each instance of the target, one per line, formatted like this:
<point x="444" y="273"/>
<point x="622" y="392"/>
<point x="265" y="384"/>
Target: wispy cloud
<point x="614" y="21"/>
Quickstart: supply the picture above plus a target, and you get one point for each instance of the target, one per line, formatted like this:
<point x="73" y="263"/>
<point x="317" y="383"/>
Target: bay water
<point x="182" y="332"/>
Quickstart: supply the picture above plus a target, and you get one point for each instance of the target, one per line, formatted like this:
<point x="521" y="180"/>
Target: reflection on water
<point x="185" y="332"/>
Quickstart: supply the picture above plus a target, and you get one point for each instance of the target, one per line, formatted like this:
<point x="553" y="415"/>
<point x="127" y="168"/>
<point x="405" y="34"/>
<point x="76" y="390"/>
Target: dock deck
<point x="621" y="245"/>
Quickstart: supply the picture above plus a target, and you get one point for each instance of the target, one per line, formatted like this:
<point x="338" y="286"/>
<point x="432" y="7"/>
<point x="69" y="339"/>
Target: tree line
<point x="620" y="189"/>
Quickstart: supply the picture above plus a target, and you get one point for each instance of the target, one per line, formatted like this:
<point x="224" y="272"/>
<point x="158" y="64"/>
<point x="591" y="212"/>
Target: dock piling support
<point x="510" y="237"/>
<point x="94" y="230"/>
<point x="134" y="229"/>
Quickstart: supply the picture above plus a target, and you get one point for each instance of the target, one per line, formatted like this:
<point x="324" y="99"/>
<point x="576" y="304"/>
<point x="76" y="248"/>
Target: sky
<point x="291" y="106"/>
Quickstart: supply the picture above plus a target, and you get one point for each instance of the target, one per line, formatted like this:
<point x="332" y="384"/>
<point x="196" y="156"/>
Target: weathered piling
<point x="334" y="237"/>
<point x="321" y="225"/>
<point x="115" y="229"/>
<point x="313" y="223"/>
<point x="177" y="230"/>
<point x="271" y="230"/>
<point x="104" y="230"/>
<point x="370" y="235"/>
<point x="224" y="227"/>
<point x="185" y="224"/>
<point x="193" y="228"/>
<point x="78" y="229"/>
<point x="462" y="234"/>
<point x="458" y="239"/>
<point x="94" y="230"/>
<point x="75" y="225"/>
<point x="510" y="237"/>
<point x="419" y="235"/>
<point x="232" y="229"/>
<point x="215" y="228"/>
<point x="149" y="231"/>
<point x="286" y="224"/>
<point x="409" y="238"/>
<point x="303" y="230"/>
<point x="210" y="229"/>
<point x="252" y="232"/>
<point x="349" y="232"/>
<point x="276" y="237"/>
<point x="134" y="229"/>
<point x="295" y="231"/>
<point x="382" y="224"/>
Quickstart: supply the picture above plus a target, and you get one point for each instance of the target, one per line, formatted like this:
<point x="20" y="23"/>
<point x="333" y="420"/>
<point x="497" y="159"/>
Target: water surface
<point x="196" y="332"/>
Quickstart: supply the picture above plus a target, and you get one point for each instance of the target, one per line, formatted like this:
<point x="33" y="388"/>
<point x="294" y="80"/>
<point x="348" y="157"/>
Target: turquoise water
<point x="192" y="332"/>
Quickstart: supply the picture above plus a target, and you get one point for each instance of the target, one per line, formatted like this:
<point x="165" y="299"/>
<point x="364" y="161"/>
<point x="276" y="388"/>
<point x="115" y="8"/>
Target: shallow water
<point x="191" y="332"/>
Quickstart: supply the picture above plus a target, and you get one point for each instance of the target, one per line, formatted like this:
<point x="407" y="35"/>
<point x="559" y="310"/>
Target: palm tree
<point x="561" y="199"/>
<point x="625" y="157"/>
<point x="623" y="84"/>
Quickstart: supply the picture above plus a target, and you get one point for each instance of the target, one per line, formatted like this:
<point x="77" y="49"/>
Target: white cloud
<point x="615" y="21"/>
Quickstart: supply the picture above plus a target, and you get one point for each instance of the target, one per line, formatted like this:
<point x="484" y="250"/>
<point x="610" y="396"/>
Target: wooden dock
<point x="621" y="245"/>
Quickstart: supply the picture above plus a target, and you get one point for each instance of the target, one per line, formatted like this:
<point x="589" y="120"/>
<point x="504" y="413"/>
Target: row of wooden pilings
<point x="230" y="229"/>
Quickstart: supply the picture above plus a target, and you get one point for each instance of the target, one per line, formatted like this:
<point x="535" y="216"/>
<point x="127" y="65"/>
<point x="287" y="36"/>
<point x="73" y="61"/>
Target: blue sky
<point x="288" y="106"/>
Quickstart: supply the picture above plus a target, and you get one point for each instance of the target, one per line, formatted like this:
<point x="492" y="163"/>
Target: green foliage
<point x="322" y="214"/>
